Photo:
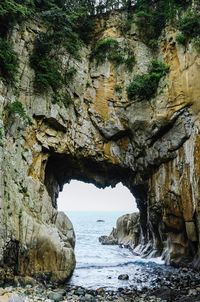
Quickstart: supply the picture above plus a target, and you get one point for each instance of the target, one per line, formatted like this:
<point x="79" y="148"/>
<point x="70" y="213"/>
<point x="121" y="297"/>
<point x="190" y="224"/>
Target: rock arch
<point x="151" y="146"/>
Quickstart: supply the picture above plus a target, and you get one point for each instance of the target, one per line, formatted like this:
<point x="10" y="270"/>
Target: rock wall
<point x="152" y="147"/>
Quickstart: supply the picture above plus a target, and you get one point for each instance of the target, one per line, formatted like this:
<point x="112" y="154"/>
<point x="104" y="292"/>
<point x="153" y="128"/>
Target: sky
<point x="80" y="196"/>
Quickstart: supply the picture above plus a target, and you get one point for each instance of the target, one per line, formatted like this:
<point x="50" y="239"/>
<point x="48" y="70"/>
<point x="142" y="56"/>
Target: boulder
<point x="126" y="233"/>
<point x="123" y="277"/>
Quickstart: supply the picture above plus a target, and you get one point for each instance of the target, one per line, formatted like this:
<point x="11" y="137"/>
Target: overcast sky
<point x="79" y="196"/>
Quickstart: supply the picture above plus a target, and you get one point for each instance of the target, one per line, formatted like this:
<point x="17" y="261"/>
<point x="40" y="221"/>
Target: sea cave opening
<point x="62" y="171"/>
<point x="94" y="212"/>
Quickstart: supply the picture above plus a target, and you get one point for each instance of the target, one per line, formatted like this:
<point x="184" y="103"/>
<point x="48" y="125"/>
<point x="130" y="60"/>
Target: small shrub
<point x="46" y="72"/>
<point x="130" y="62"/>
<point x="159" y="68"/>
<point x="142" y="87"/>
<point x="107" y="47"/>
<point x="189" y="25"/>
<point x="153" y="44"/>
<point x="69" y="40"/>
<point x="16" y="108"/>
<point x="145" y="86"/>
<point x="89" y="83"/>
<point x="62" y="98"/>
<point x="47" y="68"/>
<point x="118" y="88"/>
<point x="116" y="57"/>
<point x="70" y="74"/>
<point x="126" y="25"/>
<point x="196" y="43"/>
<point x="67" y="100"/>
<point x="8" y="61"/>
<point x="181" y="39"/>
<point x="44" y="43"/>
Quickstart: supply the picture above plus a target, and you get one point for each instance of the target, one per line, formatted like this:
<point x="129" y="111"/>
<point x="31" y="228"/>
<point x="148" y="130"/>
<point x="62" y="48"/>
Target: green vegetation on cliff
<point x="152" y="16"/>
<point x="67" y="26"/>
<point x="189" y="26"/>
<point x="108" y="48"/>
<point x="144" y="87"/>
<point x="64" y="30"/>
<point x="12" y="12"/>
<point x="70" y="24"/>
<point x="46" y="67"/>
<point x="16" y="108"/>
<point x="8" y="61"/>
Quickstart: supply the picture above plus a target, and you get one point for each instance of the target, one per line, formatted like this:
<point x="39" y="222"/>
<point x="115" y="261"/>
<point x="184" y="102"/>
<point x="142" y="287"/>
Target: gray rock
<point x="88" y="298"/>
<point x="120" y="300"/>
<point x="57" y="297"/>
<point x="79" y="292"/>
<point x="126" y="233"/>
<point x="123" y="277"/>
<point x="108" y="240"/>
<point x="61" y="291"/>
<point x="192" y="292"/>
<point x="100" y="291"/>
<point x="16" y="299"/>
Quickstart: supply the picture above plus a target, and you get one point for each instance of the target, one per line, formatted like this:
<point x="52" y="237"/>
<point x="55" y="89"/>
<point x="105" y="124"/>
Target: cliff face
<point x="152" y="147"/>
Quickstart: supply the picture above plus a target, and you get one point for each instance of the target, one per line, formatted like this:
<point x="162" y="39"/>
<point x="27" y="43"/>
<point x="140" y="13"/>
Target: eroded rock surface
<point x="152" y="147"/>
<point x="127" y="232"/>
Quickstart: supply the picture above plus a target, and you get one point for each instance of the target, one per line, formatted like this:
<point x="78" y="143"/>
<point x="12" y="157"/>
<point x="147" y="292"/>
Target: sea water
<point x="100" y="265"/>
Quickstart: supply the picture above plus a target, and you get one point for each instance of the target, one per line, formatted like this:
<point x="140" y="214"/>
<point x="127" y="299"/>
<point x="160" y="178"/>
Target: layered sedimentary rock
<point x="152" y="147"/>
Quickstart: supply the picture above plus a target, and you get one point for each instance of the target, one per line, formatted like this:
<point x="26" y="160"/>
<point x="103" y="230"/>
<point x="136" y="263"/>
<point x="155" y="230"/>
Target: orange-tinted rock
<point x="153" y="147"/>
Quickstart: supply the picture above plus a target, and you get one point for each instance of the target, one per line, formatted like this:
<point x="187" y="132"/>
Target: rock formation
<point x="126" y="233"/>
<point x="151" y="146"/>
